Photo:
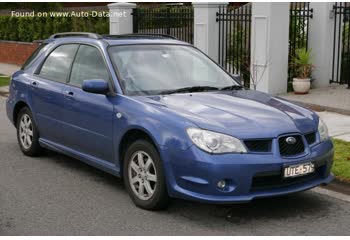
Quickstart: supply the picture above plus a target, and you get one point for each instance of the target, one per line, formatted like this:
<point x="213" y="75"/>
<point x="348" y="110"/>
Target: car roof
<point x="113" y="40"/>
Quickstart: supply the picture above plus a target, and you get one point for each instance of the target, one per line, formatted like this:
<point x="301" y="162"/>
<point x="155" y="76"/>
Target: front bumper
<point x="193" y="174"/>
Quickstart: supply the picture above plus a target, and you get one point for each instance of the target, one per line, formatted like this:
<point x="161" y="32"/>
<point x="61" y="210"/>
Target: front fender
<point x="166" y="129"/>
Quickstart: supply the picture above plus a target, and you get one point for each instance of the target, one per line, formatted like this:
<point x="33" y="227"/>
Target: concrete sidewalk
<point x="8" y="69"/>
<point x="338" y="125"/>
<point x="335" y="98"/>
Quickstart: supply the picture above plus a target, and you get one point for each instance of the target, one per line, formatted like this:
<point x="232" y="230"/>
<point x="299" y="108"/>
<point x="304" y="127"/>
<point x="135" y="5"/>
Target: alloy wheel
<point x="142" y="175"/>
<point x="26" y="131"/>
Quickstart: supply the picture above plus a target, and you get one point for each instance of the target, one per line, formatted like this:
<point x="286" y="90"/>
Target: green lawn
<point x="4" y="80"/>
<point x="341" y="166"/>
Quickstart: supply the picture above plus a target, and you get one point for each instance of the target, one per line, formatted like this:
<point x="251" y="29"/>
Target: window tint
<point x="88" y="64"/>
<point x="36" y="53"/>
<point x="57" y="64"/>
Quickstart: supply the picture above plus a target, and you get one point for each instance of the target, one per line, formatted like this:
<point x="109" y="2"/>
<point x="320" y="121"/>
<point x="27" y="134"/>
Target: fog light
<point x="222" y="184"/>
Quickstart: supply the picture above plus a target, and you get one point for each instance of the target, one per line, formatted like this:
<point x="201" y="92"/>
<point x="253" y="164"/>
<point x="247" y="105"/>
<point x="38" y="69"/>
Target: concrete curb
<point x="333" y="194"/>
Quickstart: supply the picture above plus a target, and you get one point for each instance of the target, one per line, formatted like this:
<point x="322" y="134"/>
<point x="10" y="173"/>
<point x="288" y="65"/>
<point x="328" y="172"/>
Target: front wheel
<point x="144" y="176"/>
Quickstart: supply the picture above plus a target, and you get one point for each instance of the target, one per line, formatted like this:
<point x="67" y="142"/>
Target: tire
<point x="27" y="133"/>
<point x="147" y="176"/>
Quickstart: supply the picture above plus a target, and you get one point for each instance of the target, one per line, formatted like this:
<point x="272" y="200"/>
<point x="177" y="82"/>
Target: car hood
<point x="242" y="113"/>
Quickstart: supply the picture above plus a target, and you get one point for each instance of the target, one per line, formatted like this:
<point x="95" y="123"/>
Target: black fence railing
<point x="234" y="40"/>
<point x="176" y="21"/>
<point x="341" y="44"/>
<point x="299" y="18"/>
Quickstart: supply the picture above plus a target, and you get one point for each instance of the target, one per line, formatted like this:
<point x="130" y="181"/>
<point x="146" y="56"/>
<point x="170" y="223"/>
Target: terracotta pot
<point x="301" y="85"/>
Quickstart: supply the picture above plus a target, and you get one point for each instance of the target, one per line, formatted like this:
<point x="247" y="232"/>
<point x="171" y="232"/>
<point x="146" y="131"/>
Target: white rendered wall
<point x="206" y="29"/>
<point x="321" y="42"/>
<point x="269" y="46"/>
<point x="120" y="21"/>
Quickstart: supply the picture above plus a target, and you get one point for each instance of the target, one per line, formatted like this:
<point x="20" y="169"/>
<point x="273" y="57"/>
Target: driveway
<point x="57" y="195"/>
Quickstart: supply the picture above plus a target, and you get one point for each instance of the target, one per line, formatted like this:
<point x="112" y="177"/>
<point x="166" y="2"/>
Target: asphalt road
<point x="57" y="195"/>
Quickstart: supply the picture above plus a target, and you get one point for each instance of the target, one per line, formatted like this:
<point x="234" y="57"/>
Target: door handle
<point x="69" y="94"/>
<point x="34" y="83"/>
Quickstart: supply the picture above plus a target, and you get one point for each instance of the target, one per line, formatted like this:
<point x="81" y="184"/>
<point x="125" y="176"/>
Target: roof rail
<point x="76" y="34"/>
<point x="139" y="35"/>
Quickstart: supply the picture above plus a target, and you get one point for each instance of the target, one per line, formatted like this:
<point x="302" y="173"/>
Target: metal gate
<point x="341" y="44"/>
<point x="234" y="40"/>
<point x="176" y="21"/>
<point x="299" y="18"/>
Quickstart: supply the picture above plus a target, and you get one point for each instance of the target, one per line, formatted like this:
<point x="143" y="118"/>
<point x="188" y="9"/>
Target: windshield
<point x="164" y="69"/>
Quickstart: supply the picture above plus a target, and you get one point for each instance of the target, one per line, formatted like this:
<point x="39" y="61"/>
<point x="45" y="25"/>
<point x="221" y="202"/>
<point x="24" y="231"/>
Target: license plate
<point x="299" y="170"/>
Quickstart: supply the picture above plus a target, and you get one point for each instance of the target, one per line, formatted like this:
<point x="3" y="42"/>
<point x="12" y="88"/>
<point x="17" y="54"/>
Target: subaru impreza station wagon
<point x="167" y="119"/>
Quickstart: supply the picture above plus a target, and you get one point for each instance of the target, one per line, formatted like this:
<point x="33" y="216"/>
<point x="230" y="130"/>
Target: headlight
<point x="214" y="142"/>
<point x="322" y="130"/>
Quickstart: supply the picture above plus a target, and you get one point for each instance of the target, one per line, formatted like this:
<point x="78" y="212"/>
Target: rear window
<point x="37" y="52"/>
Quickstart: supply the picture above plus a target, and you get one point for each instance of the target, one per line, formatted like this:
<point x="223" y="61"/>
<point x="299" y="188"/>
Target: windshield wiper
<point x="233" y="87"/>
<point x="190" y="89"/>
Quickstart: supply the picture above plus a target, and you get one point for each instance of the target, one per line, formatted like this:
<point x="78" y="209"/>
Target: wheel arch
<point x="128" y="138"/>
<point x="18" y="106"/>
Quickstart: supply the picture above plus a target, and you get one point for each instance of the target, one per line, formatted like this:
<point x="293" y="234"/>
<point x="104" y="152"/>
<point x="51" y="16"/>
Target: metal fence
<point x="234" y="40"/>
<point x="176" y="21"/>
<point x="341" y="44"/>
<point x="299" y="18"/>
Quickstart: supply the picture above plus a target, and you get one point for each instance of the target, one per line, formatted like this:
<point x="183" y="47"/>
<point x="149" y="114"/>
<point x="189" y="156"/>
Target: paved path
<point x="338" y="124"/>
<point x="58" y="195"/>
<point x="335" y="98"/>
<point x="8" y="69"/>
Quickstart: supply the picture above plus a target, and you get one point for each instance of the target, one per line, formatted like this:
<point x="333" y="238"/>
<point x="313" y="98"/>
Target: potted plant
<point x="303" y="70"/>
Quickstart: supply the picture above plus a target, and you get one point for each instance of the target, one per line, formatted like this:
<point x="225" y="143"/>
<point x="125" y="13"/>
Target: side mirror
<point x="96" y="86"/>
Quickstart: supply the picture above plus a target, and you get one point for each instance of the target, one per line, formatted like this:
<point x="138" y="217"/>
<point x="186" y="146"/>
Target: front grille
<point x="287" y="149"/>
<point x="261" y="145"/>
<point x="310" y="138"/>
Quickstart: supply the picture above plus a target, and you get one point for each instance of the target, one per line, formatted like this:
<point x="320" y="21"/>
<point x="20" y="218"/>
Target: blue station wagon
<point x="159" y="113"/>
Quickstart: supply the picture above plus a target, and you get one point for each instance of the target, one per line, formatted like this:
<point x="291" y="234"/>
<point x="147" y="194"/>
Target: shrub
<point x="28" y="29"/>
<point x="302" y="63"/>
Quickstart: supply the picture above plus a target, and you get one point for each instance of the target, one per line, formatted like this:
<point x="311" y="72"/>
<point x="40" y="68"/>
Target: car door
<point x="88" y="117"/>
<point x="47" y="92"/>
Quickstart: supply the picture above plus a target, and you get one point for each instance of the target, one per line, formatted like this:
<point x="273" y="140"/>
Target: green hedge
<point x="28" y="29"/>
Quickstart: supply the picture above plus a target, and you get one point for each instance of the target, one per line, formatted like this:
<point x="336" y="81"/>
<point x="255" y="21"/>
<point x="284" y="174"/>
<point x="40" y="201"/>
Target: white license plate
<point x="299" y="170"/>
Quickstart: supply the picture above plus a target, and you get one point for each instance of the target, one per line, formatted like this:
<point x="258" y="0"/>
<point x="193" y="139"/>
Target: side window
<point x="57" y="64"/>
<point x="37" y="52"/>
<point x="88" y="64"/>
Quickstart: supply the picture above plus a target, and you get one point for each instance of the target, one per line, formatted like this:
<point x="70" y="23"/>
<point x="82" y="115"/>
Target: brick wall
<point x="16" y="52"/>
